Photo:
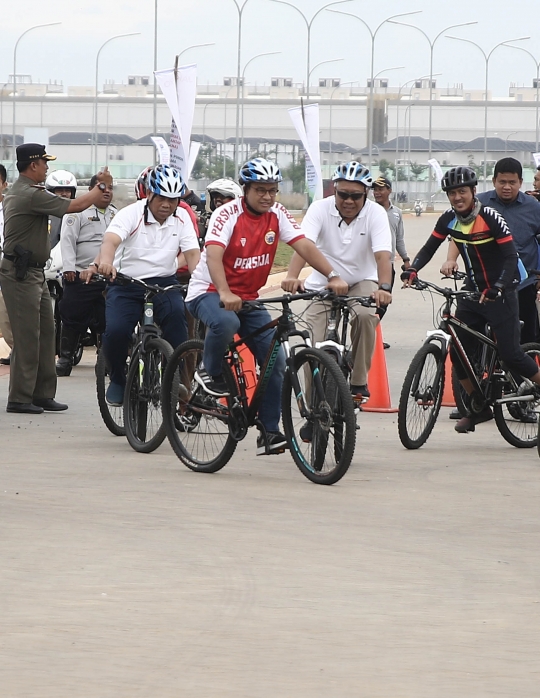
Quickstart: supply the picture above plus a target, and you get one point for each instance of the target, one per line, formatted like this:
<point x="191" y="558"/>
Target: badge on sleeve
<point x="70" y="220"/>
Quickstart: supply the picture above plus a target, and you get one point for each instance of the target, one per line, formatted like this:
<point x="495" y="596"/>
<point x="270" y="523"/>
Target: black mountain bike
<point x="494" y="385"/>
<point x="204" y="430"/>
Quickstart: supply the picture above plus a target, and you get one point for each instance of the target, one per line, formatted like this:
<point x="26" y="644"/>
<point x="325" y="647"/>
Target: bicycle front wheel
<point x="517" y="421"/>
<point x="318" y="418"/>
<point x="111" y="415"/>
<point x="421" y="396"/>
<point x="197" y="424"/>
<point x="143" y="420"/>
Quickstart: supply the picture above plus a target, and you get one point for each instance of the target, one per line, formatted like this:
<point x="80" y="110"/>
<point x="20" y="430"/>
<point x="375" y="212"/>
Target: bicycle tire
<point x="112" y="416"/>
<point x="327" y="456"/>
<point x="518" y="422"/>
<point x="143" y="418"/>
<point x="77" y="356"/>
<point x="421" y="396"/>
<point x="195" y="422"/>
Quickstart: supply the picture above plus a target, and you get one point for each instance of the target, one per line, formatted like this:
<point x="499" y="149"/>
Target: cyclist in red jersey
<point x="240" y="247"/>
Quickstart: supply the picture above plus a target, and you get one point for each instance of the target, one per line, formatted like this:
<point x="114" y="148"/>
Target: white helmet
<point x="225" y="187"/>
<point x="61" y="179"/>
<point x="166" y="181"/>
<point x="353" y="172"/>
<point x="260" y="170"/>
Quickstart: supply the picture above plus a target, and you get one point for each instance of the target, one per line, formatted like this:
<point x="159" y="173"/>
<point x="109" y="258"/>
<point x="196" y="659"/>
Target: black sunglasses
<point x="355" y="196"/>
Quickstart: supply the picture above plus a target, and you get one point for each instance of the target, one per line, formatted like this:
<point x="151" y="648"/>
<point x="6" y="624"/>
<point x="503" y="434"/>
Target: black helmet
<point x="459" y="177"/>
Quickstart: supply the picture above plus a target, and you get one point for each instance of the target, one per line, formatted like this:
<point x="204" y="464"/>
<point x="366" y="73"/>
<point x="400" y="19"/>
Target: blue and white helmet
<point x="353" y="172"/>
<point x="260" y="170"/>
<point x="165" y="181"/>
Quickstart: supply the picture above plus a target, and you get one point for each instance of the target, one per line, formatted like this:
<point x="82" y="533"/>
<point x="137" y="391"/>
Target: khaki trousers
<point x="362" y="326"/>
<point x="32" y="371"/>
<point x="5" y="325"/>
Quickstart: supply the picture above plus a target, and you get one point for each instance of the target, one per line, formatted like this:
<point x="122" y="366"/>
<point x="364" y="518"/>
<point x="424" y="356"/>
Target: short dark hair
<point x="3" y="173"/>
<point x="93" y="181"/>
<point x="24" y="165"/>
<point x="510" y="165"/>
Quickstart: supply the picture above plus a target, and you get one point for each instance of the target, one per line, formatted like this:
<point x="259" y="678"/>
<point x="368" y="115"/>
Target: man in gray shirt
<point x="382" y="189"/>
<point x="82" y="304"/>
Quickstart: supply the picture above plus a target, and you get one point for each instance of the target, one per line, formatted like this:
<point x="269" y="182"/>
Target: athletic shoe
<point x="455" y="414"/>
<point x="273" y="444"/>
<point x="469" y="422"/>
<point x="306" y="432"/>
<point x="115" y="394"/>
<point x="211" y="384"/>
<point x="360" y="393"/>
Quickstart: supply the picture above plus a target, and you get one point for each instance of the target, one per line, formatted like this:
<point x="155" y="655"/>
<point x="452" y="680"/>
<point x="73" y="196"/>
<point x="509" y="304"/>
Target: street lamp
<point x="95" y="139"/>
<point x="487" y="56"/>
<point x="537" y="63"/>
<point x="194" y="46"/>
<point x="512" y="133"/>
<point x="431" y="48"/>
<point x="330" y="60"/>
<point x="254" y="58"/>
<point x="37" y="26"/>
<point x="373" y="35"/>
<point x="225" y="132"/>
<point x="309" y="23"/>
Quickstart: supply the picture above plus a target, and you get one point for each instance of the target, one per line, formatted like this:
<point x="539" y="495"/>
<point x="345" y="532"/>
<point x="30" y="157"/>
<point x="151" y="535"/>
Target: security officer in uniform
<point x="27" y="206"/>
<point x="82" y="304"/>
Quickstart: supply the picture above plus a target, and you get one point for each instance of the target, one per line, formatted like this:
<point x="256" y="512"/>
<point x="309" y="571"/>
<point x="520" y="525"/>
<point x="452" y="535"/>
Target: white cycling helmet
<point x="225" y="187"/>
<point x="61" y="179"/>
<point x="353" y="172"/>
<point x="166" y="181"/>
<point x="260" y="170"/>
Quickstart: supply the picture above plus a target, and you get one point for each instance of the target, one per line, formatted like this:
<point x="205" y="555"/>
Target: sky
<point x="67" y="52"/>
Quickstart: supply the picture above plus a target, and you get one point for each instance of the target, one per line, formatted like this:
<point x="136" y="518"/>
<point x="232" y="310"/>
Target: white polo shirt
<point x="148" y="248"/>
<point x="349" y="248"/>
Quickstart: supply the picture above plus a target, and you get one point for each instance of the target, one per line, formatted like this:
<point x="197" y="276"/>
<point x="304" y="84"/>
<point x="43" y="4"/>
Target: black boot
<point x="68" y="346"/>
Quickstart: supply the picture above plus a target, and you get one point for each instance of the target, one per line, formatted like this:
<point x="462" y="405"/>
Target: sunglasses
<point x="355" y="196"/>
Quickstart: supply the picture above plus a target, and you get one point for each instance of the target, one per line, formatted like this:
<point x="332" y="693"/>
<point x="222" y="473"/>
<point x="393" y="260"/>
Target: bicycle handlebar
<point x="421" y="285"/>
<point x="309" y="295"/>
<point x="125" y="280"/>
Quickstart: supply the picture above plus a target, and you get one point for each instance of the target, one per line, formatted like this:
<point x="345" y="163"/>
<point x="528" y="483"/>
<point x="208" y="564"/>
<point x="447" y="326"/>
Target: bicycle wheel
<point x="78" y="354"/>
<point x="112" y="416"/>
<point x="518" y="421"/>
<point x="197" y="424"/>
<point x="143" y="420"/>
<point x="421" y="396"/>
<point x="326" y="457"/>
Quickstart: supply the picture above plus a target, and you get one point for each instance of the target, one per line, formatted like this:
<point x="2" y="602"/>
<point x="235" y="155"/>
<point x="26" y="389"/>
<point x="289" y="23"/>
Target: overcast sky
<point x="67" y="52"/>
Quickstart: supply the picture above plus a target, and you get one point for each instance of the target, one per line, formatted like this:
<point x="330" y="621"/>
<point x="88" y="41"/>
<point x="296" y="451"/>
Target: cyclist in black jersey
<point x="493" y="269"/>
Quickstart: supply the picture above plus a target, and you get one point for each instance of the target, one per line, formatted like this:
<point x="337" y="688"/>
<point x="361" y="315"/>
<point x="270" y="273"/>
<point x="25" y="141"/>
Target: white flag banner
<point x="165" y="79"/>
<point x="193" y="152"/>
<point x="536" y="158"/>
<point x="164" y="153"/>
<point x="178" y="157"/>
<point x="436" y="168"/>
<point x="306" y="123"/>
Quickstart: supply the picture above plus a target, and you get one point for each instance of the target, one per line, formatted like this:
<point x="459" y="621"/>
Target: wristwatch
<point x="102" y="186"/>
<point x="385" y="287"/>
<point x="333" y="275"/>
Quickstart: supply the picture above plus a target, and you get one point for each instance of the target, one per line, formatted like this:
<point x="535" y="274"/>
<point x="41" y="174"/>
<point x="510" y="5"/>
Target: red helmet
<point x="141" y="183"/>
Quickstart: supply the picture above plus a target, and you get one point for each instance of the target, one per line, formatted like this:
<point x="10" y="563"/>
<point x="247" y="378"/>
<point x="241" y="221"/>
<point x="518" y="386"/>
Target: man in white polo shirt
<point x="353" y="234"/>
<point x="145" y="240"/>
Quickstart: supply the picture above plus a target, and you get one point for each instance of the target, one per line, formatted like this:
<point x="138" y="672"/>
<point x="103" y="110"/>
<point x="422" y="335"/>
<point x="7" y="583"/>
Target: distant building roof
<point x="85" y="137"/>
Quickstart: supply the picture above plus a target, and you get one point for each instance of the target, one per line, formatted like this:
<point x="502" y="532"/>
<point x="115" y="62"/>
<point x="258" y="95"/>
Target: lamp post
<point x="330" y="118"/>
<point x="487" y="56"/>
<point x="254" y="58"/>
<point x="512" y="133"/>
<point x="225" y="131"/>
<point x="431" y="76"/>
<point x="2" y="138"/>
<point x="95" y="144"/>
<point x="37" y="26"/>
<point x="537" y="64"/>
<point x="154" y="105"/>
<point x="373" y="34"/>
<point x="309" y="24"/>
<point x="330" y="60"/>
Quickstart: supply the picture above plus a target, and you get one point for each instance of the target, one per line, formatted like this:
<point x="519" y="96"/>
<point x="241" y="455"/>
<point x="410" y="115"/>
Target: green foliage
<point x="417" y="169"/>
<point x="209" y="164"/>
<point x="296" y="172"/>
<point x="479" y="169"/>
<point x="387" y="168"/>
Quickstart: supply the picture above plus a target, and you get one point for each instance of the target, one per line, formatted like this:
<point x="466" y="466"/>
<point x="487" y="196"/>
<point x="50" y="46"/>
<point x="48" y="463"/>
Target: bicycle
<point x="494" y="385"/>
<point x="204" y="431"/>
<point x="140" y="417"/>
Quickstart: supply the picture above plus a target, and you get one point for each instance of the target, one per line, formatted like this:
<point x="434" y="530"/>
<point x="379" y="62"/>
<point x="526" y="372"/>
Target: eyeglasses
<point x="355" y="196"/>
<point x="260" y="191"/>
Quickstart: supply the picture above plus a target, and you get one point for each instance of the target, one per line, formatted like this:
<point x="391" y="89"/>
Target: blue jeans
<point x="123" y="311"/>
<point x="221" y="326"/>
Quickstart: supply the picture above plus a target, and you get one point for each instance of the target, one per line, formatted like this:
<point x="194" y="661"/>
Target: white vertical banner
<point x="164" y="153"/>
<point x="536" y="158"/>
<point x="193" y="152"/>
<point x="180" y="97"/>
<point x="434" y="164"/>
<point x="306" y="123"/>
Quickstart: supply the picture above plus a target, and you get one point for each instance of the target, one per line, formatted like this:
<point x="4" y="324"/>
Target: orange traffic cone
<point x="378" y="380"/>
<point x="448" y="394"/>
<point x="248" y="367"/>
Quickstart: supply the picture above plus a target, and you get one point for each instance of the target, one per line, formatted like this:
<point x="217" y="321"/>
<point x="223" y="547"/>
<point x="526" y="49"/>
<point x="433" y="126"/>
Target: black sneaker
<point x="273" y="444"/>
<point x="468" y="423"/>
<point x="211" y="385"/>
<point x="360" y="393"/>
<point x="306" y="432"/>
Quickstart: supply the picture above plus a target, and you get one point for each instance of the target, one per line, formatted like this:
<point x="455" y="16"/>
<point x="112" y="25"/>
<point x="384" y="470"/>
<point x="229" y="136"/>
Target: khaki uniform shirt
<point x="82" y="235"/>
<point x="27" y="207"/>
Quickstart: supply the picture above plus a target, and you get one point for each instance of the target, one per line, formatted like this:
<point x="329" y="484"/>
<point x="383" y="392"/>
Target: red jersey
<point x="250" y="243"/>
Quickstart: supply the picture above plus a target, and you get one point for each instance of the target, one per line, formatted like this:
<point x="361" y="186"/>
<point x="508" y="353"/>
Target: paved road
<point x="127" y="575"/>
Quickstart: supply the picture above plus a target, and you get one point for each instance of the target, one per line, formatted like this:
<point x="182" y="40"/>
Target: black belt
<point x="32" y="265"/>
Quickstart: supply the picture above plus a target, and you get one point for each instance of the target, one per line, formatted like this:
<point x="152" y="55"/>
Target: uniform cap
<point x="382" y="182"/>
<point x="32" y="151"/>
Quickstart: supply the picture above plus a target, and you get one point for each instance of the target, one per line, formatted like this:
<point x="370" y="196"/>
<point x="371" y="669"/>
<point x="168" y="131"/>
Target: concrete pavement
<point x="127" y="575"/>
